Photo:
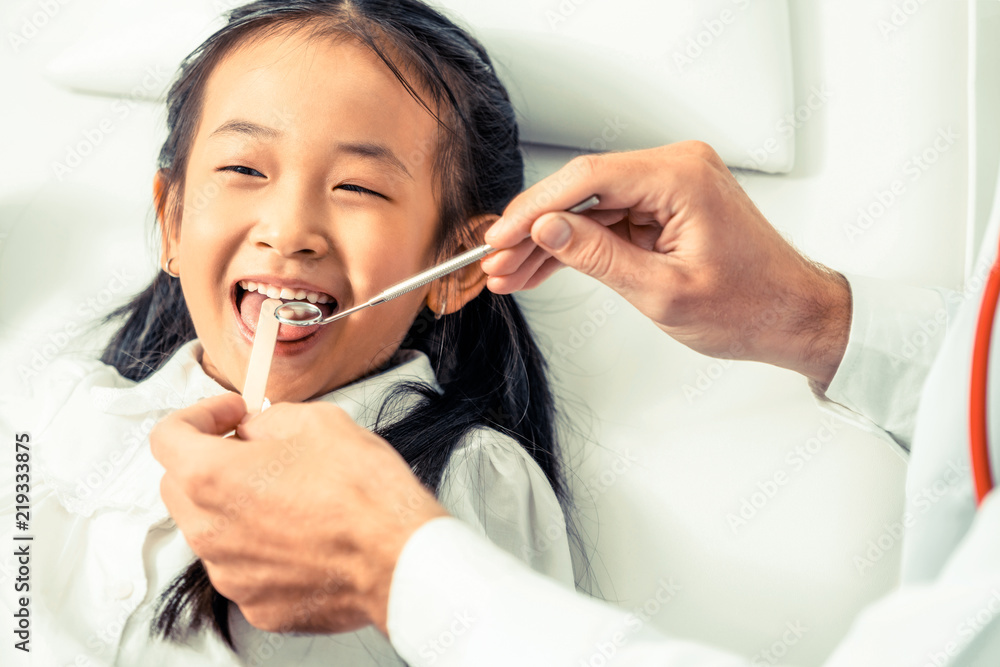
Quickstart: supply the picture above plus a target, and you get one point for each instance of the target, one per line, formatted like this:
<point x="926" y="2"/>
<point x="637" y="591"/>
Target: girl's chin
<point x="279" y="391"/>
<point x="286" y="385"/>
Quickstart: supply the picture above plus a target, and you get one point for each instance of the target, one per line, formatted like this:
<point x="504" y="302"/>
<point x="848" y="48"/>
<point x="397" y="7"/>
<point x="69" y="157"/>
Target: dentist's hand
<point x="678" y="237"/>
<point x="300" y="522"/>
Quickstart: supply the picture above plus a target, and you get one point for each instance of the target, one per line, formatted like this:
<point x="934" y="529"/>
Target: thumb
<point x="174" y="439"/>
<point x="591" y="248"/>
<point x="215" y="415"/>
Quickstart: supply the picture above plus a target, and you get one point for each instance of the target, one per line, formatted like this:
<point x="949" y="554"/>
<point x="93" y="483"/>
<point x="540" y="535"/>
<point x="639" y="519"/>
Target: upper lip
<point x="290" y="283"/>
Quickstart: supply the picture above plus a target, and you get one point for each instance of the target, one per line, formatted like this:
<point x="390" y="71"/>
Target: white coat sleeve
<point x="458" y="600"/>
<point x="896" y="331"/>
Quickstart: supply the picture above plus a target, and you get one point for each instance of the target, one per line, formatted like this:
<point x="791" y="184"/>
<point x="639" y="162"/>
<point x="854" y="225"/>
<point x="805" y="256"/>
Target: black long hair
<point x="486" y="362"/>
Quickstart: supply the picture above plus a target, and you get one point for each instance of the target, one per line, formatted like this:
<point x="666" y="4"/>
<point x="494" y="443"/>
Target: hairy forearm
<point x="819" y="327"/>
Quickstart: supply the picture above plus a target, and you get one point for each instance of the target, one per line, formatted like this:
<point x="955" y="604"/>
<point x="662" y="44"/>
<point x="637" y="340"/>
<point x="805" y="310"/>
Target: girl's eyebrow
<point x="379" y="152"/>
<point x="366" y="149"/>
<point x="248" y="128"/>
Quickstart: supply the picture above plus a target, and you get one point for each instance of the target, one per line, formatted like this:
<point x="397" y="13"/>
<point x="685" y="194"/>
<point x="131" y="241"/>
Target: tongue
<point x="250" y="313"/>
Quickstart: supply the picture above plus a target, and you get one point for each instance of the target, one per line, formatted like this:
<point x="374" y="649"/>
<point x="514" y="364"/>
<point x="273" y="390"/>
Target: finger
<point x="603" y="175"/>
<point x="504" y="262"/>
<point x="517" y="280"/>
<point x="180" y="434"/>
<point x="286" y="420"/>
<point x="499" y="236"/>
<point x="191" y="520"/>
<point x="550" y="266"/>
<point x="521" y="281"/>
<point x="507" y="261"/>
<point x="607" y="217"/>
<point x="647" y="180"/>
<point x="271" y="424"/>
<point x="580" y="243"/>
<point x="281" y="420"/>
<point x="216" y="415"/>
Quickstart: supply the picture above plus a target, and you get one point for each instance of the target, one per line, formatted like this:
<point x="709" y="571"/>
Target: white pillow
<point x="583" y="75"/>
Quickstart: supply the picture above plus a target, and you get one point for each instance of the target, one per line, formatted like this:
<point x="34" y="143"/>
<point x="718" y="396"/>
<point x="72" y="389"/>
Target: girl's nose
<point x="292" y="230"/>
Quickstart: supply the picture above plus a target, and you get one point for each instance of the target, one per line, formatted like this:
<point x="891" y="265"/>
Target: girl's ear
<point x="168" y="235"/>
<point x="450" y="293"/>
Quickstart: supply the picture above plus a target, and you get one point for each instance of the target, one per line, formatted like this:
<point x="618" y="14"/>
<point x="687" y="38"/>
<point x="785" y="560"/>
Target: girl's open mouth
<point x="247" y="303"/>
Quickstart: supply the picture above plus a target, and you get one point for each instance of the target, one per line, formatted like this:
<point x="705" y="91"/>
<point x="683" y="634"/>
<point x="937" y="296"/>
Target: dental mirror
<point x="305" y="314"/>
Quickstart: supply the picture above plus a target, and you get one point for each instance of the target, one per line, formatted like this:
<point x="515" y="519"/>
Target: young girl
<point x="319" y="150"/>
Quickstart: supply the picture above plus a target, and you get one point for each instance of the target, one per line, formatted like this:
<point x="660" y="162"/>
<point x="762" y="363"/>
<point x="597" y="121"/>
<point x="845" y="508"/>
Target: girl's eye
<point x="357" y="188"/>
<point x="240" y="169"/>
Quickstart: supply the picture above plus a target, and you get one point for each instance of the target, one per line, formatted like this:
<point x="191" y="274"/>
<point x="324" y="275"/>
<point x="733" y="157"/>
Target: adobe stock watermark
<point x="554" y="534"/>
<point x="606" y="648"/>
<point x="666" y="590"/>
<point x="414" y="501"/>
<point x="562" y="12"/>
<point x="223" y="6"/>
<point x="579" y="334"/>
<point x="706" y="377"/>
<point x="765" y="490"/>
<point x="786" y="126"/>
<point x="260" y="653"/>
<point x="935" y="325"/>
<point x="891" y="536"/>
<point x="557" y="183"/>
<point x="89" y="309"/>
<point x="259" y="480"/>
<point x="197" y="200"/>
<point x="93" y="136"/>
<point x="620" y="464"/>
<point x="702" y="41"/>
<point x="967" y="629"/>
<point x="32" y="25"/>
<point x="104" y="470"/>
<point x="106" y="639"/>
<point x="434" y="648"/>
<point x="913" y="170"/>
<point x="898" y="17"/>
<point x="773" y="654"/>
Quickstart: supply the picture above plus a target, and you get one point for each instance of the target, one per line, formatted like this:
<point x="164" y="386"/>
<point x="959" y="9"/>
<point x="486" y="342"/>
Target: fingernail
<point x="493" y="231"/>
<point x="555" y="233"/>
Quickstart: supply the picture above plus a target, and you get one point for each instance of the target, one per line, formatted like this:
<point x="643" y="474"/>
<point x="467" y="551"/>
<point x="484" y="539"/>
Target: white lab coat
<point x="946" y="611"/>
<point x="104" y="545"/>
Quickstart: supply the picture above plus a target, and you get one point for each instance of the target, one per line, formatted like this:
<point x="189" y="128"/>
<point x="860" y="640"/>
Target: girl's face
<point x="310" y="171"/>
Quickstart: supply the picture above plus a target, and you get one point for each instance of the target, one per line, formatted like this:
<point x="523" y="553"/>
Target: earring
<point x="168" y="271"/>
<point x="444" y="306"/>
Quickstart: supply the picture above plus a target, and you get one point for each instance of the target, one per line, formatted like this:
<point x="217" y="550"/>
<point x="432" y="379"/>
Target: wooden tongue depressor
<point x="260" y="356"/>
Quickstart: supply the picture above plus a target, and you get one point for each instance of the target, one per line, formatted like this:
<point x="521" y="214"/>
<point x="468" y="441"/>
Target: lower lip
<point x="281" y="348"/>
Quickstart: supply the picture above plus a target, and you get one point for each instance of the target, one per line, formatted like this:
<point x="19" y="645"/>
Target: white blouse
<point x="105" y="547"/>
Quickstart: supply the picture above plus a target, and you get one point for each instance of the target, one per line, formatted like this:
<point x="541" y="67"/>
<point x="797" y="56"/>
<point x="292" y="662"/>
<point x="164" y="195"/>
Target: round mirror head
<point x="299" y="313"/>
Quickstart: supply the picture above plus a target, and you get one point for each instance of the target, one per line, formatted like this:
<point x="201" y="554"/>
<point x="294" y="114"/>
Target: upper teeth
<point x="274" y="292"/>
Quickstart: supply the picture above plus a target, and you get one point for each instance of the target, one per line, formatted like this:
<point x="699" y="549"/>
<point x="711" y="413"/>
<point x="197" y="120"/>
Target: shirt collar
<point x="182" y="381"/>
<point x="133" y="486"/>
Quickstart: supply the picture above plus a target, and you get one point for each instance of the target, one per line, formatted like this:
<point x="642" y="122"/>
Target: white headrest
<point x="583" y="75"/>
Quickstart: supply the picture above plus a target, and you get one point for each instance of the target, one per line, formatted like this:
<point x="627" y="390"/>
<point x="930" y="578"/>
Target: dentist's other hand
<point x="677" y="236"/>
<point x="300" y="522"/>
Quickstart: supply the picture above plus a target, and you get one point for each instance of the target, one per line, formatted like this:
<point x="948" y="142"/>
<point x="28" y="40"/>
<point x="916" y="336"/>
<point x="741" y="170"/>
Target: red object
<point x="978" y="438"/>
